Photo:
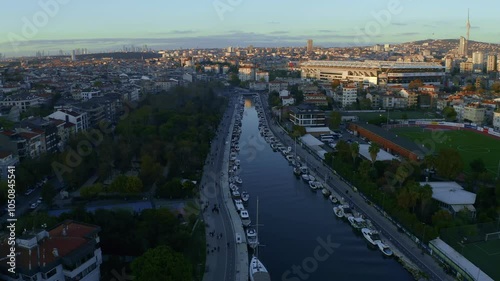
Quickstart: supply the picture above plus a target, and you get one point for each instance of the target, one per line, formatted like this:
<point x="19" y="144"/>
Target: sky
<point x="51" y="25"/>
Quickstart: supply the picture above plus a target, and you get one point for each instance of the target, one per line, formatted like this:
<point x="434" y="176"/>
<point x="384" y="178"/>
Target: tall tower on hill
<point x="468" y="25"/>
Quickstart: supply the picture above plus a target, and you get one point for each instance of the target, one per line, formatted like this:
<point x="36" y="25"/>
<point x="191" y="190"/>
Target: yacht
<point x="252" y="238"/>
<point x="245" y="218"/>
<point x="257" y="270"/>
<point x="312" y="178"/>
<point x="371" y="236"/>
<point x="326" y="192"/>
<point x="384" y="248"/>
<point x="239" y="205"/>
<point x="236" y="194"/>
<point x="339" y="212"/>
<point x="312" y="185"/>
<point x="305" y="177"/>
<point x="238" y="180"/>
<point x="245" y="196"/>
<point x="357" y="222"/>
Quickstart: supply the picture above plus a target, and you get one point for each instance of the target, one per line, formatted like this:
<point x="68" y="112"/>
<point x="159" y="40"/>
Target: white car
<point x="34" y="205"/>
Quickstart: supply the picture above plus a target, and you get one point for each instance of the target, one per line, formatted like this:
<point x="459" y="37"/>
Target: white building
<point x="79" y="119"/>
<point x="286" y="101"/>
<point x="349" y="95"/>
<point x="246" y="73"/>
<point x="474" y="113"/>
<point x="22" y="101"/>
<point x="70" y="251"/>
<point x="262" y="76"/>
<point x="451" y="196"/>
<point x="496" y="121"/>
<point x="478" y="60"/>
<point x="89" y="95"/>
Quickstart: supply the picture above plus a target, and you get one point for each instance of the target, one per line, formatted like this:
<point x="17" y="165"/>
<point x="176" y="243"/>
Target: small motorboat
<point x="252" y="239"/>
<point x="305" y="177"/>
<point x="238" y="180"/>
<point x="236" y="194"/>
<point x="357" y="222"/>
<point x="326" y="192"/>
<point x="245" y="218"/>
<point x="371" y="236"/>
<point x="312" y="185"/>
<point x="384" y="248"/>
<point x="245" y="196"/>
<point x="333" y="199"/>
<point x="338" y="211"/>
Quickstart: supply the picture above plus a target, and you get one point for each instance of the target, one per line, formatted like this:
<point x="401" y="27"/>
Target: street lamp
<point x="423" y="238"/>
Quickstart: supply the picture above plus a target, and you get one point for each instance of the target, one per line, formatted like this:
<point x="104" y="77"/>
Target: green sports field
<point x="485" y="255"/>
<point x="471" y="145"/>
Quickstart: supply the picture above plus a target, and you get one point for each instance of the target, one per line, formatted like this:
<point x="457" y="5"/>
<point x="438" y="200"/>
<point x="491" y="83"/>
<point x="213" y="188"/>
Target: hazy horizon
<point x="53" y="25"/>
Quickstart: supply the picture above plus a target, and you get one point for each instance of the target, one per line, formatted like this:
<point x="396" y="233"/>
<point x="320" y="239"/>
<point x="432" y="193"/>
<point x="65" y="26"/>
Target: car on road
<point x="28" y="192"/>
<point x="39" y="201"/>
<point x="34" y="205"/>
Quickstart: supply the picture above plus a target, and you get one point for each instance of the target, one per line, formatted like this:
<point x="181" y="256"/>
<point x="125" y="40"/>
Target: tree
<point x="442" y="219"/>
<point x="449" y="113"/>
<point x="91" y="191"/>
<point x="354" y="151"/>
<point x="335" y="84"/>
<point x="449" y="163"/>
<point x="48" y="193"/>
<point x="134" y="185"/>
<point x="234" y="80"/>
<point x="298" y="131"/>
<point x="335" y="120"/>
<point x="496" y="87"/>
<point x="374" y="149"/>
<point x="415" y="84"/>
<point x="404" y="116"/>
<point x="161" y="263"/>
<point x="150" y="170"/>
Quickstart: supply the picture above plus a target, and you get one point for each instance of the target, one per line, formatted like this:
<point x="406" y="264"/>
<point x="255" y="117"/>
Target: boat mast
<point x="257" y="227"/>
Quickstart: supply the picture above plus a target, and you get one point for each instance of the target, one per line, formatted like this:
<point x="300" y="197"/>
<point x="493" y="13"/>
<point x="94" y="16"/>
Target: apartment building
<point x="496" y="120"/>
<point x="69" y="251"/>
<point x="22" y="101"/>
<point x="349" y="95"/>
<point x="79" y="119"/>
<point x="307" y="116"/>
<point x="474" y="113"/>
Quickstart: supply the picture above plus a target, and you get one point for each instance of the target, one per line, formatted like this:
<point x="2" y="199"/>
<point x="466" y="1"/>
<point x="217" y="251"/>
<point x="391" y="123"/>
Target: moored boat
<point x="384" y="248"/>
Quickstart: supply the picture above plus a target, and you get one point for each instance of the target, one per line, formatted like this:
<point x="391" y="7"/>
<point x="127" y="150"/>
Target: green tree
<point x="496" y="87"/>
<point x="449" y="113"/>
<point x="374" y="149"/>
<point x="449" y="163"/>
<point x="442" y="219"/>
<point x="150" y="170"/>
<point x="161" y="263"/>
<point x="133" y="185"/>
<point x="335" y="84"/>
<point x="234" y="80"/>
<point x="354" y="151"/>
<point x="298" y="131"/>
<point x="335" y="120"/>
<point x="91" y="191"/>
<point x="48" y="193"/>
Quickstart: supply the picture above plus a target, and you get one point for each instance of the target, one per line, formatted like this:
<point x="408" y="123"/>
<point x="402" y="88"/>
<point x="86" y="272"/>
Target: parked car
<point x="28" y="192"/>
<point x="34" y="205"/>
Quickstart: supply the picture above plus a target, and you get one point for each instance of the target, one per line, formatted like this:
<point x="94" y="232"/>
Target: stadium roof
<point x="460" y="260"/>
<point x="451" y="193"/>
<point x="372" y="64"/>
<point x="400" y="141"/>
<point x="381" y="156"/>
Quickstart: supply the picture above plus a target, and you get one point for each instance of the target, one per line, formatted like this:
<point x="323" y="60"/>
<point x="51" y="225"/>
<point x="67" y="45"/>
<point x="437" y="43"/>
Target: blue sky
<point x="107" y="25"/>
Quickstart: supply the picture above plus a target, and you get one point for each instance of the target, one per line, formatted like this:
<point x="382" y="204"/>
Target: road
<point x="220" y="262"/>
<point x="426" y="263"/>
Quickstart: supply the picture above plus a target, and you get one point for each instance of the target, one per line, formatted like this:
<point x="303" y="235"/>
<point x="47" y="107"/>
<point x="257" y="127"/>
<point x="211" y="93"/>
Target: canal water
<point x="296" y="223"/>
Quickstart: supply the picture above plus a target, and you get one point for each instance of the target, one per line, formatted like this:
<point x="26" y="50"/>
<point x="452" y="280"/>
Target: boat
<point x="289" y="158"/>
<point x="384" y="248"/>
<point x="326" y="192"/>
<point x="371" y="236"/>
<point x="245" y="218"/>
<point x="258" y="271"/>
<point x="245" y="196"/>
<point x="333" y="199"/>
<point x="233" y="187"/>
<point x="305" y="177"/>
<point x="239" y="205"/>
<point x="236" y="194"/>
<point x="252" y="239"/>
<point x="304" y="170"/>
<point x="357" y="222"/>
<point x="312" y="185"/>
<point x="296" y="171"/>
<point x="312" y="178"/>
<point x="238" y="180"/>
<point x="339" y="212"/>
<point x="347" y="211"/>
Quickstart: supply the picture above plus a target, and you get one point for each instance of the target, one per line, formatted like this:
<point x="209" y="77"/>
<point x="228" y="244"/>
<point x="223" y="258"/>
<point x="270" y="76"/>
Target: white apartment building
<point x="474" y="113"/>
<point x="286" y="101"/>
<point x="246" y="73"/>
<point x="262" y="76"/>
<point x="79" y="119"/>
<point x="349" y="95"/>
<point x="89" y="95"/>
<point x="496" y="121"/>
<point x="22" y="101"/>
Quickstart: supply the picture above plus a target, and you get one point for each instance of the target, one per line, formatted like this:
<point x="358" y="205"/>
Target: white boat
<point x="338" y="211"/>
<point x="371" y="236"/>
<point x="305" y="177"/>
<point x="312" y="178"/>
<point x="312" y="185"/>
<point x="237" y="162"/>
<point x="304" y="170"/>
<point x="252" y="238"/>
<point x="296" y="171"/>
<point x="289" y="158"/>
<point x="238" y="180"/>
<point x="239" y="205"/>
<point x="233" y="187"/>
<point x="347" y="211"/>
<point x="245" y="218"/>
<point x="357" y="222"/>
<point x="333" y="199"/>
<point x="245" y="196"/>
<point x="326" y="192"/>
<point x="257" y="271"/>
<point x="384" y="248"/>
<point x="236" y="194"/>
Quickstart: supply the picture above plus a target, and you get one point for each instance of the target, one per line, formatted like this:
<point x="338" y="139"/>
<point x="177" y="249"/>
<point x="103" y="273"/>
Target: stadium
<point x="369" y="72"/>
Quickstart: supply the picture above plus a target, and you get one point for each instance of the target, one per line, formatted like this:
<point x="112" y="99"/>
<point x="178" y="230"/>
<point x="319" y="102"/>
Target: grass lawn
<point x="397" y="114"/>
<point x="485" y="255"/>
<point x="471" y="145"/>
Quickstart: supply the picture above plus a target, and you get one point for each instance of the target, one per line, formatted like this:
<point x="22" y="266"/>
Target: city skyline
<point x="54" y="25"/>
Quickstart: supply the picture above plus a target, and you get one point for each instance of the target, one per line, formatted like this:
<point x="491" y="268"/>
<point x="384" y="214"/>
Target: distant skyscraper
<point x="309" y="45"/>
<point x="478" y="60"/>
<point x="73" y="55"/>
<point x="462" y="47"/>
<point x="492" y="63"/>
<point x="448" y="64"/>
<point x="468" y="25"/>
